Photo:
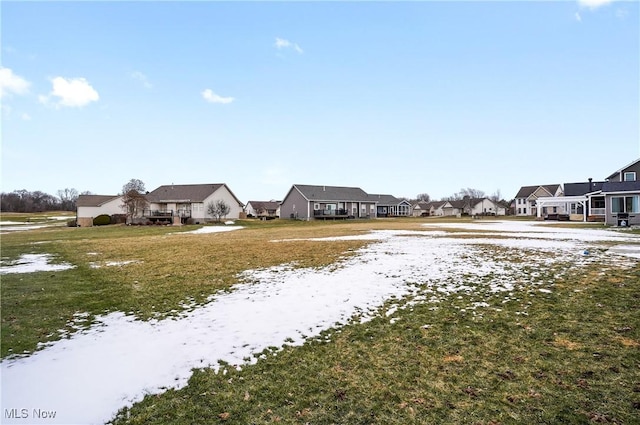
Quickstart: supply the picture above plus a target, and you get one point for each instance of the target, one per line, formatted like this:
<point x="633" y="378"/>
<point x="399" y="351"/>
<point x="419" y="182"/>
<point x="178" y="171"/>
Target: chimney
<point x="590" y="184"/>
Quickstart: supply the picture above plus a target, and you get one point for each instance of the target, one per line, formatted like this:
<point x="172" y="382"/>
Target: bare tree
<point x="218" y="209"/>
<point x="133" y="198"/>
<point x="423" y="197"/>
<point x="472" y="193"/>
<point x="68" y="198"/>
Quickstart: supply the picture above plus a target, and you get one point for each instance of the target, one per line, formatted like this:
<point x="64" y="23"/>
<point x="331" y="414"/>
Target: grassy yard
<point x="574" y="358"/>
<point x="570" y="356"/>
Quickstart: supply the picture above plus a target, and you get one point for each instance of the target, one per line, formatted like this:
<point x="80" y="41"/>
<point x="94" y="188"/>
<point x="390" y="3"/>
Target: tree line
<point x="463" y="193"/>
<point x="24" y="201"/>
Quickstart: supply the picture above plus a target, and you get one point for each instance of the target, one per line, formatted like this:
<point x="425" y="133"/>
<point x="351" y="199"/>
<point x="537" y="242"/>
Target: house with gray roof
<point x="622" y="196"/>
<point x="390" y="206"/>
<point x="311" y="202"/>
<point x="181" y="202"/>
<point x="527" y="196"/>
<point x="89" y="207"/>
<point x="425" y="209"/>
<point x="263" y="209"/>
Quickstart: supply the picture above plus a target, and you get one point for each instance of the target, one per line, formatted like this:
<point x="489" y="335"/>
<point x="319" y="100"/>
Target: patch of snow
<point x="29" y="263"/>
<point x="22" y="227"/>
<point x="628" y="250"/>
<point x="212" y="229"/>
<point x="119" y="359"/>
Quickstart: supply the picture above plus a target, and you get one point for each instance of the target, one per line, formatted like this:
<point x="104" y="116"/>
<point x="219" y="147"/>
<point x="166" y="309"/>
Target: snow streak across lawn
<point x="88" y="377"/>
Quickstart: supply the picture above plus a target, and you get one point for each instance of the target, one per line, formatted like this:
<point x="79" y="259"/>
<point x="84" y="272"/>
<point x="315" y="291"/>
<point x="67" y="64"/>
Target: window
<point x="630" y="176"/>
<point x="625" y="204"/>
<point x="518" y="210"/>
<point x="316" y="206"/>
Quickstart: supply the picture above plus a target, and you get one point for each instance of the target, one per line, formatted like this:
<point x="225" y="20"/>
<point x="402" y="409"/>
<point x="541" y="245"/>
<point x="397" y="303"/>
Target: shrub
<point x="72" y="223"/>
<point x="102" y="220"/>
<point x="118" y="218"/>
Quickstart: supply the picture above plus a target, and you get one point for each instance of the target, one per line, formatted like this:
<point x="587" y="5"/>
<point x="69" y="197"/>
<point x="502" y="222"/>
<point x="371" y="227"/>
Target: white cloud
<point x="26" y="117"/>
<point x="139" y="76"/>
<point x="593" y="4"/>
<point x="211" y="97"/>
<point x="281" y="43"/>
<point x="72" y="92"/>
<point x="11" y="83"/>
<point x="621" y="13"/>
<point x="578" y="17"/>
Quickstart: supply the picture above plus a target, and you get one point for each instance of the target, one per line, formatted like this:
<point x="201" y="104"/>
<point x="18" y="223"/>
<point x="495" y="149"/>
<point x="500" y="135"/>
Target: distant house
<point x="420" y="209"/>
<point x="622" y="195"/>
<point x="390" y="206"/>
<point x="527" y="197"/>
<point x="472" y="206"/>
<point x="453" y="208"/>
<point x="485" y="206"/>
<point x="179" y="203"/>
<point x="309" y="202"/>
<point x="425" y="209"/>
<point x="263" y="209"/>
<point x="90" y="206"/>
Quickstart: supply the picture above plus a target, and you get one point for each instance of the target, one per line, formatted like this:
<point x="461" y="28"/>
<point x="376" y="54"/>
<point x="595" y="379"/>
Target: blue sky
<point x="400" y="98"/>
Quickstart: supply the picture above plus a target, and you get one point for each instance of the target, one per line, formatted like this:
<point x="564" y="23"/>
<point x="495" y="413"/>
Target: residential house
<point x="584" y="201"/>
<point x="473" y="207"/>
<point x="622" y="196"/>
<point x="527" y="197"/>
<point x="628" y="173"/>
<point x="485" y="206"/>
<point x="453" y="208"/>
<point x="309" y="202"/>
<point x="420" y="209"/>
<point x="188" y="202"/>
<point x="390" y="206"/>
<point x="432" y="208"/>
<point x="263" y="209"/>
<point x="90" y="206"/>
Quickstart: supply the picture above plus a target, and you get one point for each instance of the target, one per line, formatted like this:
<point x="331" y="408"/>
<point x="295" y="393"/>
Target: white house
<point x="179" y="203"/>
<point x="91" y="206"/>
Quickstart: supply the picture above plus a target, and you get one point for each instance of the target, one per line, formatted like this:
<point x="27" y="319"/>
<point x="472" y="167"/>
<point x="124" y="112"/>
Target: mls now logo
<point x="29" y="413"/>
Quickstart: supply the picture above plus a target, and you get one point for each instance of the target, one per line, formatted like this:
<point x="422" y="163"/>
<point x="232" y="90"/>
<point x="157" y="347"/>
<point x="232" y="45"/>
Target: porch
<point x="160" y="214"/>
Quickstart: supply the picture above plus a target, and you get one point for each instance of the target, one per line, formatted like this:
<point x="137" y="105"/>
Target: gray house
<point x="622" y="196"/>
<point x="308" y="202"/>
<point x="390" y="206"/>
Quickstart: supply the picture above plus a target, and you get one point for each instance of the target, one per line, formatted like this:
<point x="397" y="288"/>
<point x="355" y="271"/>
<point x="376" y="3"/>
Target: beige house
<point x="180" y="203"/>
<point x="263" y="209"/>
<point x="527" y="196"/>
<point x="89" y="207"/>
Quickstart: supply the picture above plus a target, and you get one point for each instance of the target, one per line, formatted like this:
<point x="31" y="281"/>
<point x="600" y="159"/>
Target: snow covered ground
<point x="29" y="263"/>
<point x="88" y="377"/>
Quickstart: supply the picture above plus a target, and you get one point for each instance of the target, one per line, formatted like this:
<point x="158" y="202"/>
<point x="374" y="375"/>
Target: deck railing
<point x="337" y="212"/>
<point x="183" y="213"/>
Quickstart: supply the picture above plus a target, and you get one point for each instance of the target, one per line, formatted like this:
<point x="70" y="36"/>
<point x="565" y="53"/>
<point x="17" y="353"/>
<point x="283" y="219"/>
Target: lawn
<point x="552" y="340"/>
